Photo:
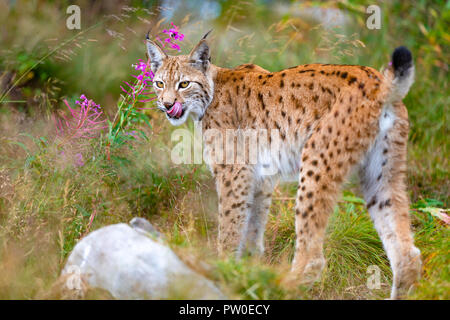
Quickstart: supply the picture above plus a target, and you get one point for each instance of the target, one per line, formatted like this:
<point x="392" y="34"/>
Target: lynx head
<point x="184" y="84"/>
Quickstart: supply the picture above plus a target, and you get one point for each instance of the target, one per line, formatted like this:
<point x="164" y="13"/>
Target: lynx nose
<point x="168" y="105"/>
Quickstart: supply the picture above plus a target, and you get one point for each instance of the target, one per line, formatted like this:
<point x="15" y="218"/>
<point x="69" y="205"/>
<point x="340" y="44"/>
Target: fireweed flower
<point x="140" y="91"/>
<point x="142" y="86"/>
<point x="174" y="35"/>
<point x="85" y="121"/>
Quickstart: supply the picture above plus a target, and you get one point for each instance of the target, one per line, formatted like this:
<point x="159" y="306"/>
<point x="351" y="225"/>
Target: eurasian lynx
<point x="329" y="118"/>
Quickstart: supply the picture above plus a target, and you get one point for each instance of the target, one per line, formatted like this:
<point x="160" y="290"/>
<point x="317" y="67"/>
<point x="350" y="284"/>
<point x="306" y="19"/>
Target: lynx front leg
<point x="235" y="189"/>
<point x="255" y="225"/>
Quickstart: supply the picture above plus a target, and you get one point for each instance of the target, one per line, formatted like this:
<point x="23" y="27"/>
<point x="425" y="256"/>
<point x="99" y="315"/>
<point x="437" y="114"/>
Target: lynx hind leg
<point x="336" y="145"/>
<point x="253" y="235"/>
<point x="382" y="175"/>
<point x="234" y="188"/>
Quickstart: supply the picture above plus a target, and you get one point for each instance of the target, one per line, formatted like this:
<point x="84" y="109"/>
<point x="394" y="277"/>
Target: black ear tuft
<point x="207" y="34"/>
<point x="401" y="61"/>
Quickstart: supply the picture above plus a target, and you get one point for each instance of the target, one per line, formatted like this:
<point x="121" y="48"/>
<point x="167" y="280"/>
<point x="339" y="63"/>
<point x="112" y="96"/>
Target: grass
<point x="47" y="204"/>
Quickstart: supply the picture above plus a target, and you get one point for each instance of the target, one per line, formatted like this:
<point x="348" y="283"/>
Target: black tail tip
<point x="401" y="60"/>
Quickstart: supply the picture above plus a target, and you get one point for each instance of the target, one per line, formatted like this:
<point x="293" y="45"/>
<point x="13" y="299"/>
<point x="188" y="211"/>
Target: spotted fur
<point x="330" y="118"/>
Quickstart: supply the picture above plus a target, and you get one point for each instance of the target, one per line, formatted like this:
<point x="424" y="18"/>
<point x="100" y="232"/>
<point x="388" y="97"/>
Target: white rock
<point x="132" y="263"/>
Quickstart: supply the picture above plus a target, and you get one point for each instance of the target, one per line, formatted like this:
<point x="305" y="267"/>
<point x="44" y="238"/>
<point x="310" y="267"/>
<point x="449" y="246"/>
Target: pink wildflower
<point x="174" y="35"/>
<point x="143" y="85"/>
<point x="85" y="121"/>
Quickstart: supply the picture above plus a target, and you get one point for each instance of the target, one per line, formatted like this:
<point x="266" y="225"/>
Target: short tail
<point x="403" y="68"/>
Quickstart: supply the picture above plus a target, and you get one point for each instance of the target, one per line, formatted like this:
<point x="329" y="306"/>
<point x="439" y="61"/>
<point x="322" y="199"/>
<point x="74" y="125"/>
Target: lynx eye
<point x="183" y="84"/>
<point x="159" y="84"/>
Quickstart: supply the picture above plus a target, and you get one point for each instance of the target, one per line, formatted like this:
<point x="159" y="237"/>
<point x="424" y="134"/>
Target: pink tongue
<point x="176" y="110"/>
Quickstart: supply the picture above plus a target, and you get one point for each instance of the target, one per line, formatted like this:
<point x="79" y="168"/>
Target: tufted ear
<point x="156" y="55"/>
<point x="200" y="56"/>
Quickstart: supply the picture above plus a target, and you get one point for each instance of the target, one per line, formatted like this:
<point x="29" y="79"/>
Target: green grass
<point x="47" y="204"/>
<point x="52" y="203"/>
